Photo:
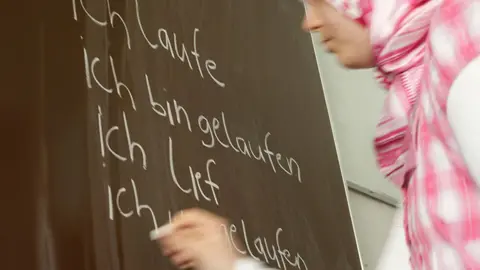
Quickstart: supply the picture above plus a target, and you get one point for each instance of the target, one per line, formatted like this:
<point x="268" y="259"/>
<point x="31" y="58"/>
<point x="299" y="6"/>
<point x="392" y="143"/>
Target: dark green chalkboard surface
<point x="135" y="109"/>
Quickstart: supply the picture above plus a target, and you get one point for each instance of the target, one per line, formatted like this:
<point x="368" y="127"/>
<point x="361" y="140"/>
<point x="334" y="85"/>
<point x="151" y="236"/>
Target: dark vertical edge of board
<point x="70" y="226"/>
<point x="20" y="118"/>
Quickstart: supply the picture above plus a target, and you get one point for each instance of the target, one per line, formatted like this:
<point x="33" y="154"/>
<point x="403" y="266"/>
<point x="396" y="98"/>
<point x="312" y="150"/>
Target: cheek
<point x="355" y="50"/>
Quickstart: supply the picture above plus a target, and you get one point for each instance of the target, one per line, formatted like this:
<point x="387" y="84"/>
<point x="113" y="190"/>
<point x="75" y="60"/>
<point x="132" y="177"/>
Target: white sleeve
<point x="463" y="112"/>
<point x="250" y="264"/>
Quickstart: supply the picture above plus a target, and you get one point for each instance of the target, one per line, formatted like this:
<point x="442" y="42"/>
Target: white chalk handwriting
<point x="215" y="128"/>
<point x="105" y="139"/>
<point x="195" y="177"/>
<point x="218" y="134"/>
<point x="168" y="40"/>
<point x="212" y="131"/>
<point x="259" y="248"/>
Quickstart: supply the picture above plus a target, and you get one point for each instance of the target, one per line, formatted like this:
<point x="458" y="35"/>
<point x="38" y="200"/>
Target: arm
<point x="463" y="112"/>
<point x="249" y="264"/>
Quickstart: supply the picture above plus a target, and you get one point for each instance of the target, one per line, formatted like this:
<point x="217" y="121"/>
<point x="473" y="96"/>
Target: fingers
<point x="195" y="217"/>
<point x="161" y="232"/>
<point x="183" y="259"/>
<point x="182" y="246"/>
<point x="181" y="240"/>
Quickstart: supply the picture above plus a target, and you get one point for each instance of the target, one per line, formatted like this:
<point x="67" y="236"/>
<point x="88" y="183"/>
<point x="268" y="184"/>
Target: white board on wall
<point x="354" y="100"/>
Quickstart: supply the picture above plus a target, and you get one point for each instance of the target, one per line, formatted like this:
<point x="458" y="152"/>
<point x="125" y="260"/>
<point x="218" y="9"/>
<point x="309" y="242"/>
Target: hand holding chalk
<point x="195" y="239"/>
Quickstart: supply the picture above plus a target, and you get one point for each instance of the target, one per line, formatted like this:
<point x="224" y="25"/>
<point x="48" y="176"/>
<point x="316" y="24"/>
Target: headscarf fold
<point x="398" y="30"/>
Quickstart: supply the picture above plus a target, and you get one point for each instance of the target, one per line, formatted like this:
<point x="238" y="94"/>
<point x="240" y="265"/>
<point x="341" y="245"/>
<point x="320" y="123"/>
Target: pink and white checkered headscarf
<point x="441" y="202"/>
<point x="398" y="29"/>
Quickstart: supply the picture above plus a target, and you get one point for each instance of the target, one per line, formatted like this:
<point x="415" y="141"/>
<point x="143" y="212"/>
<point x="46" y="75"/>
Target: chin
<point x="355" y="63"/>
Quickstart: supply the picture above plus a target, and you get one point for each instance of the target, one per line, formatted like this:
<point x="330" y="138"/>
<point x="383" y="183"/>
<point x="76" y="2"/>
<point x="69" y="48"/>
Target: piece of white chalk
<point x="161" y="232"/>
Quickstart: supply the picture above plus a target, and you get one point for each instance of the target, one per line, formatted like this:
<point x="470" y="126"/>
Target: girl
<point x="426" y="54"/>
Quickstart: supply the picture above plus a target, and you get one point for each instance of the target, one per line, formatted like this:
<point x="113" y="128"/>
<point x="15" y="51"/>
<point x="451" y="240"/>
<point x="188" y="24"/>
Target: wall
<point x="372" y="220"/>
<point x="354" y="101"/>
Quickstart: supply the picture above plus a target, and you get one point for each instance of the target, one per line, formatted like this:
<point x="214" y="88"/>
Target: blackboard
<point x="141" y="108"/>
